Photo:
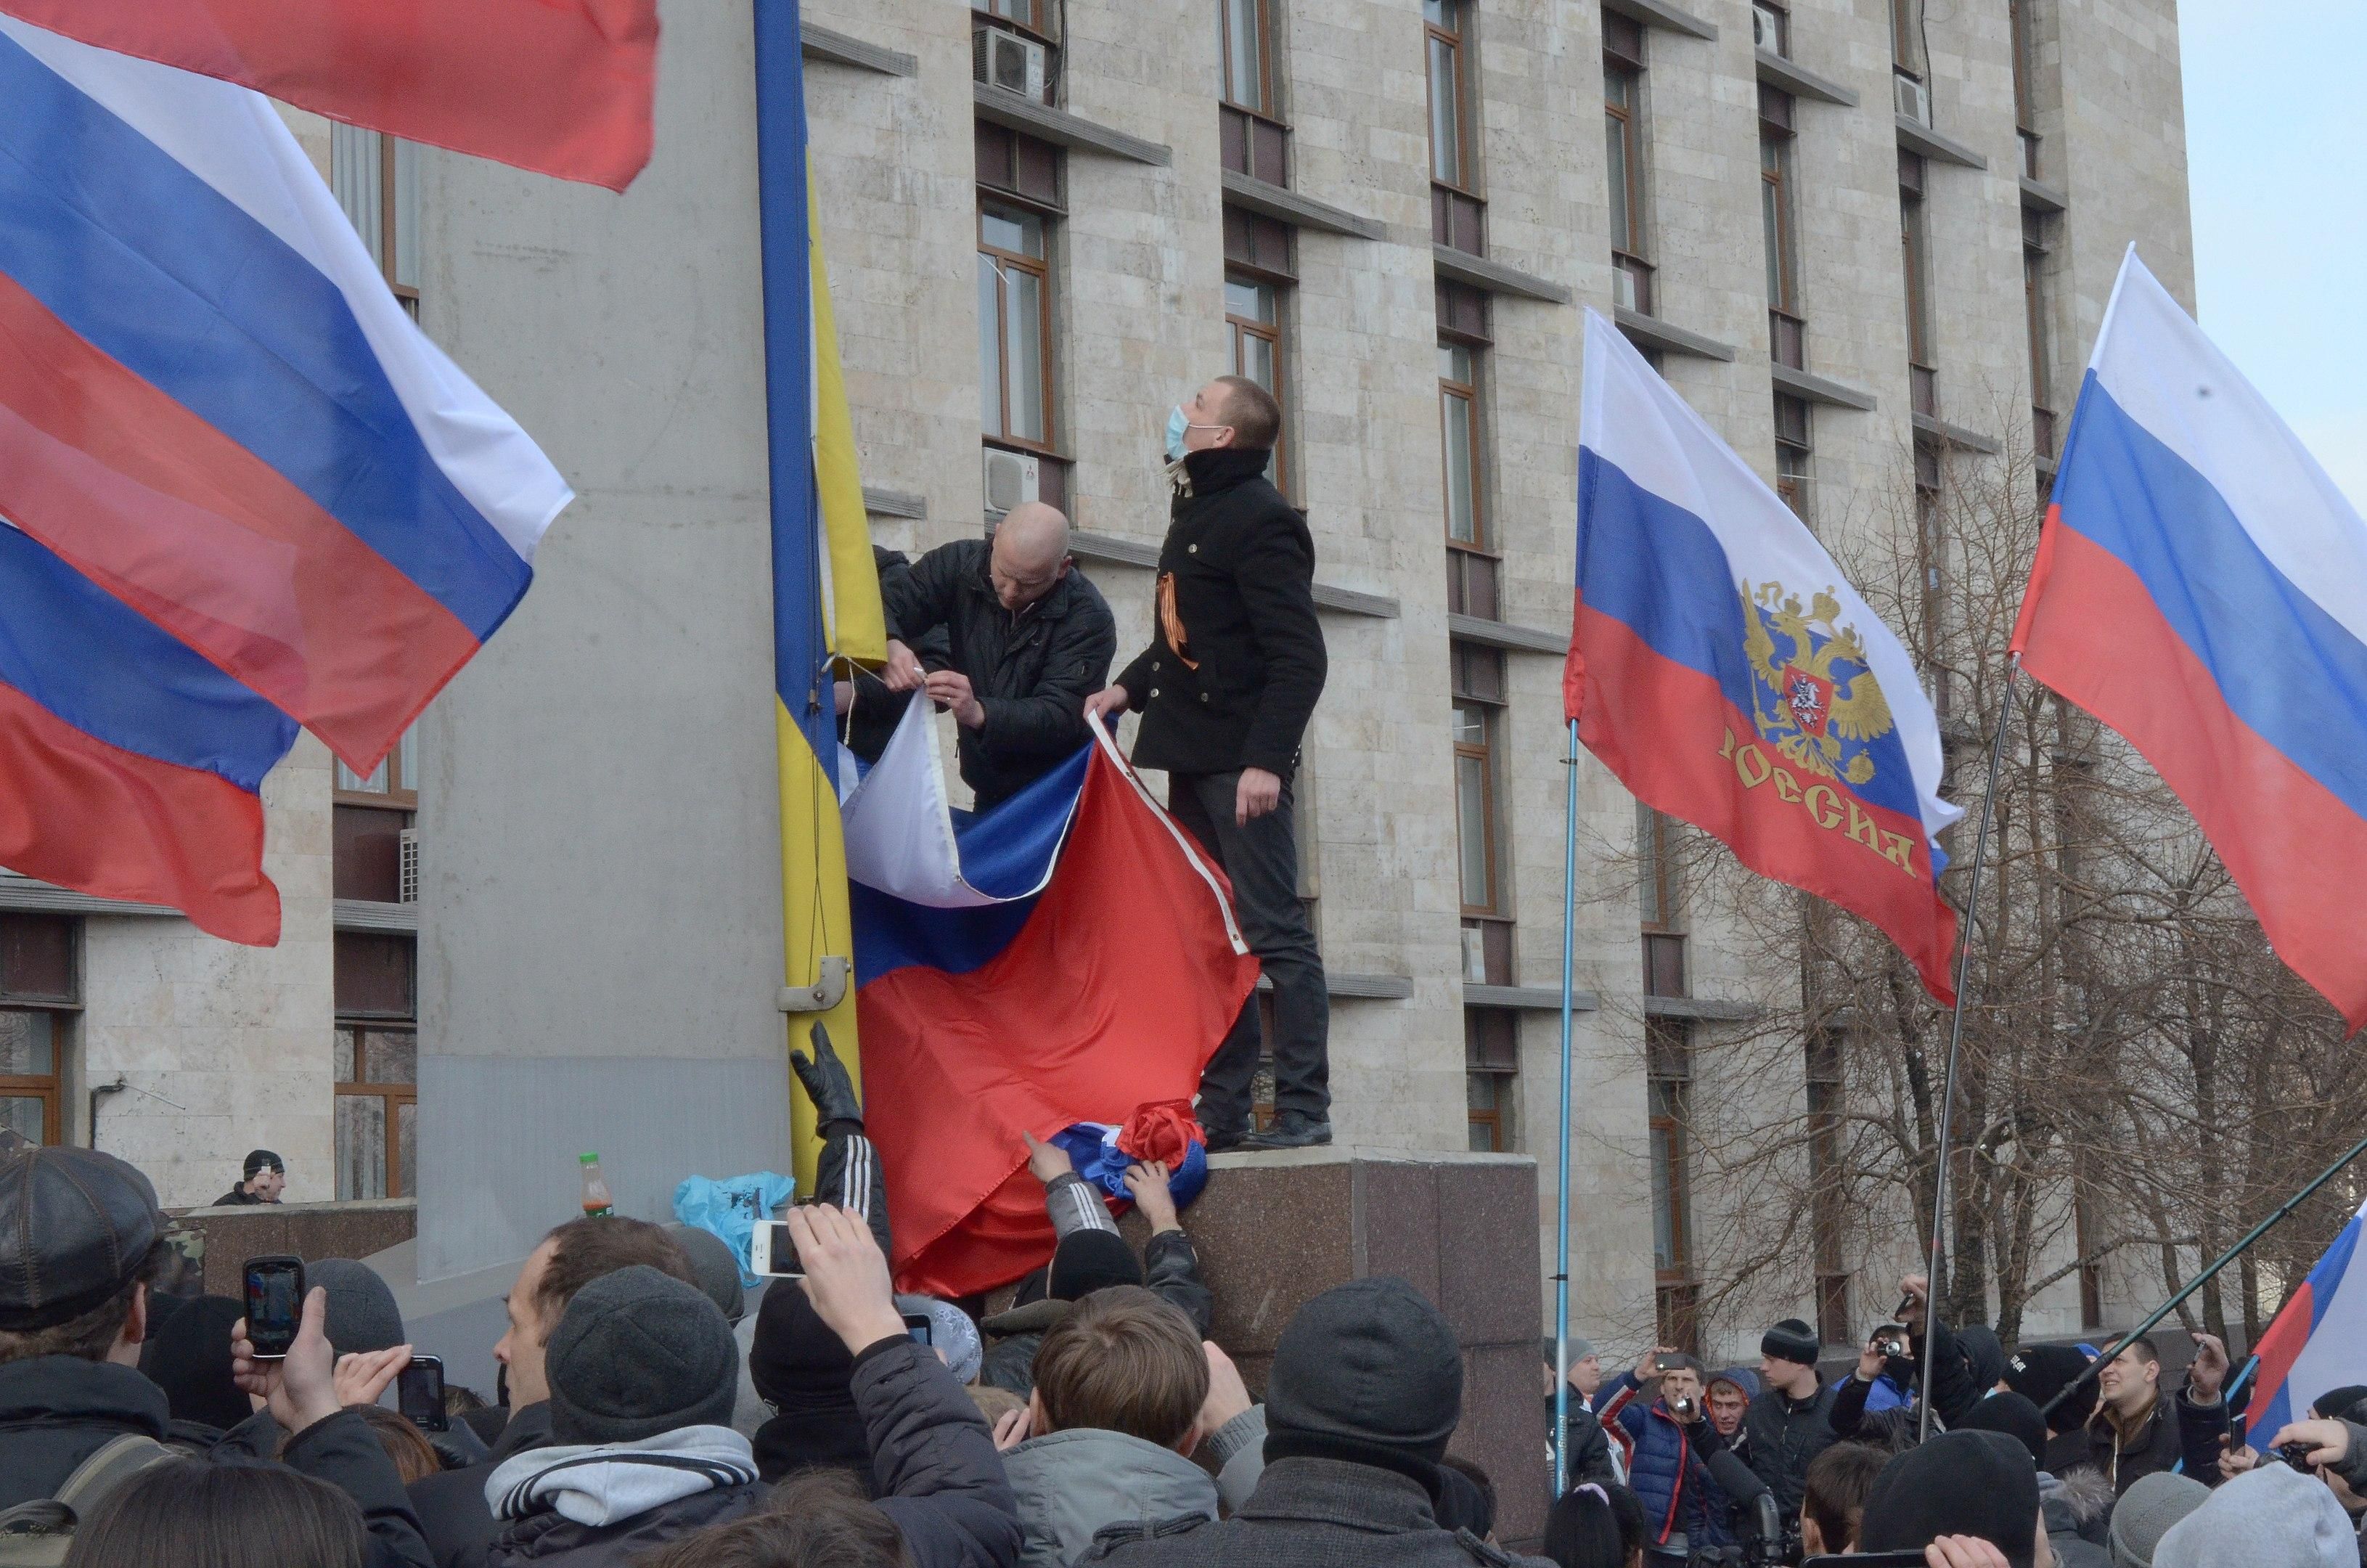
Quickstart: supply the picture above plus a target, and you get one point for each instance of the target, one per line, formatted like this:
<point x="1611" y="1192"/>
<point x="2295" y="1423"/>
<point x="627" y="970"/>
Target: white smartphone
<point x="773" y="1252"/>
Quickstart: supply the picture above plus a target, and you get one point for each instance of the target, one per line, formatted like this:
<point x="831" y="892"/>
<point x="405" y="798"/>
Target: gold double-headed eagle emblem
<point x="1812" y="696"/>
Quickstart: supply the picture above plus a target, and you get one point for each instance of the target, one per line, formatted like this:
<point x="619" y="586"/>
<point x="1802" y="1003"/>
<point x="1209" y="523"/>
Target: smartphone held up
<point x="275" y="1304"/>
<point x="773" y="1252"/>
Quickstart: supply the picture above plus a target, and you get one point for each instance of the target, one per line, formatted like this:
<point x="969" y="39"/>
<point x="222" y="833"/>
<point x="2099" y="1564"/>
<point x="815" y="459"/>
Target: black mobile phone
<point x="2296" y="1454"/>
<point x="2236" y="1433"/>
<point x="275" y="1304"/>
<point x="419" y="1394"/>
<point x="921" y="1327"/>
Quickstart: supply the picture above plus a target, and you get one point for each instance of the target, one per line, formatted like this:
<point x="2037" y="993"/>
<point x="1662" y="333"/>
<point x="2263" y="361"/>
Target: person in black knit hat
<point x="1960" y="1484"/>
<point x="1365" y="1389"/>
<point x="1790" y="1421"/>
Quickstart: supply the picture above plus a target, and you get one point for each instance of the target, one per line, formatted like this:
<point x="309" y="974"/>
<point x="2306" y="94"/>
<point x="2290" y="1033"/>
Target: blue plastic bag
<point x="1092" y="1149"/>
<point x="730" y="1209"/>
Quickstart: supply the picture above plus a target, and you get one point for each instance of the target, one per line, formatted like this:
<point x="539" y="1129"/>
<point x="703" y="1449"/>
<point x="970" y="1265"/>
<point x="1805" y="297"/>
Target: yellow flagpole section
<point x="815" y="922"/>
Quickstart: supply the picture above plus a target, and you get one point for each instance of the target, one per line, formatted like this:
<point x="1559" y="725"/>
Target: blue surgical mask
<point x="1176" y="426"/>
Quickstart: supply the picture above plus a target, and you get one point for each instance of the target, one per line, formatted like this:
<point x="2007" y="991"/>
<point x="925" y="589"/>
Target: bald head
<point x="1031" y="553"/>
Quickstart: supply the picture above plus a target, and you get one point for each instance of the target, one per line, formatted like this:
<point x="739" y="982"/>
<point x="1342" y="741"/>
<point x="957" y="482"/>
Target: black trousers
<point x="1260" y="856"/>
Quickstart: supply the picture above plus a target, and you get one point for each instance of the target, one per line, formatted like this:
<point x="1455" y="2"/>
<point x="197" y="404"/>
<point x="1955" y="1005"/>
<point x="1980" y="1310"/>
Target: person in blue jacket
<point x="1689" y="1483"/>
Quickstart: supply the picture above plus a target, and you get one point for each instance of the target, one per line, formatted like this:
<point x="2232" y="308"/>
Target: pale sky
<point x="2276" y="141"/>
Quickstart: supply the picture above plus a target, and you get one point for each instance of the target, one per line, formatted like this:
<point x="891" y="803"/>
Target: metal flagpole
<point x="1561" y="1207"/>
<point x="1955" y="1044"/>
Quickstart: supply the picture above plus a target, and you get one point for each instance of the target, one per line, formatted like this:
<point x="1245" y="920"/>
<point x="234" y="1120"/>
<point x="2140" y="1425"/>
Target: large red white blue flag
<point x="2200" y="586"/>
<point x="559" y="86"/>
<point x="214" y="413"/>
<point x="1069" y="957"/>
<point x="1723" y="670"/>
<point x="2317" y="1341"/>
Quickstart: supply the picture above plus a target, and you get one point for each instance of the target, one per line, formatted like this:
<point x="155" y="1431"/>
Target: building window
<point x="1622" y="132"/>
<point x="368" y="817"/>
<point x="1014" y="326"/>
<point x="1915" y="262"/>
<point x="1491" y="1055"/>
<point x="1455" y="206"/>
<point x="376" y="178"/>
<point x="1778" y="209"/>
<point x="1669" y="1083"/>
<point x="1907" y="38"/>
<point x="2037" y="306"/>
<point x="1829" y="1192"/>
<point x="40" y="990"/>
<point x="1253" y="320"/>
<point x="1793" y="452"/>
<point x="1478" y="715"/>
<point x="376" y="1065"/>
<point x="1471" y="564"/>
<point x="2025" y="114"/>
<point x="1771" y="28"/>
<point x="1254" y="140"/>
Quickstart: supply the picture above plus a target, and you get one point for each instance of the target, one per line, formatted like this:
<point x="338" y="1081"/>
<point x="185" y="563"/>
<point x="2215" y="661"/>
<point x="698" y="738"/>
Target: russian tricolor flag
<point x="1723" y="668"/>
<point x="2317" y="1341"/>
<point x="1069" y="957"/>
<point x="2202" y="587"/>
<point x="213" y="412"/>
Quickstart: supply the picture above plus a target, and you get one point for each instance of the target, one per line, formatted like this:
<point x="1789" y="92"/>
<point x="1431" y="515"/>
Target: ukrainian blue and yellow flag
<point x="826" y="592"/>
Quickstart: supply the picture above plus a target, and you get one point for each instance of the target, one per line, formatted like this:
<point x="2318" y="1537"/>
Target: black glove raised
<point x="826" y="1082"/>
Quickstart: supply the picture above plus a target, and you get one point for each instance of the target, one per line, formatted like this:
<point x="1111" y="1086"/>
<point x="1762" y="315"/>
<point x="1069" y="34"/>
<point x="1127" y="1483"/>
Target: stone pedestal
<point x="1274" y="1229"/>
<point x="230" y="1235"/>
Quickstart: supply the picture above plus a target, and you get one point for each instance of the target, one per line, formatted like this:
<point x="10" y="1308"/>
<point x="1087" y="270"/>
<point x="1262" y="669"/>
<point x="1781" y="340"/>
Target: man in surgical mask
<point x="1225" y="690"/>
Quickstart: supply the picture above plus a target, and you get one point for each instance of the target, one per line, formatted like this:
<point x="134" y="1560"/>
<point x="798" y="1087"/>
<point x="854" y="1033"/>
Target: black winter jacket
<point x="1589" y="1445"/>
<point x="871" y="723"/>
<point x="1785" y="1434"/>
<point x="1171" y="1269"/>
<point x="939" y="1476"/>
<point x="1031" y="671"/>
<point x="451" y="1505"/>
<point x="2154" y="1447"/>
<point x="1235" y="659"/>
<point x="57" y="1411"/>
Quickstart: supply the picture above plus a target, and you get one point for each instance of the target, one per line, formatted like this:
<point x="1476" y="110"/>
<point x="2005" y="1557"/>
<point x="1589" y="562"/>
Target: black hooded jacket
<point x="1236" y="661"/>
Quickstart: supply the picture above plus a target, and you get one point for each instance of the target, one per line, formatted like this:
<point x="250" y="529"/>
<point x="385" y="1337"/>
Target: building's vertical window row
<point x="1472" y="564"/>
<point x="1780" y="225"/>
<point x="376" y="180"/>
<point x="1623" y="133"/>
<point x="1457" y="209"/>
<point x="1252" y="135"/>
<point x="1829" y="1190"/>
<point x="1668" y="1051"/>
<point x="1019" y="206"/>
<point x="1661" y="904"/>
<point x="376" y="1065"/>
<point x="1793" y="453"/>
<point x="2025" y="114"/>
<point x="40" y="992"/>
<point x="1915" y="263"/>
<point x="2038" y="306"/>
<point x="1491" y="1051"/>
<point x="1490" y="1035"/>
<point x="1253" y="322"/>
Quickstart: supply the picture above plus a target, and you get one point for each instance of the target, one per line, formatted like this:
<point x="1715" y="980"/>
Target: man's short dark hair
<point x="2146" y="1348"/>
<point x="87" y="1335"/>
<point x="1123" y="1361"/>
<point x="585" y="1250"/>
<point x="818" y="1519"/>
<point x="1255" y="417"/>
<point x="1838" y="1481"/>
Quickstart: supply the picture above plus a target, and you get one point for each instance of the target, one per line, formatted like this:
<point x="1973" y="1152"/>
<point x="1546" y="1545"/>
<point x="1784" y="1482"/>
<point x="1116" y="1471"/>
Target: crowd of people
<point x="2043" y="1455"/>
<point x="645" y="1419"/>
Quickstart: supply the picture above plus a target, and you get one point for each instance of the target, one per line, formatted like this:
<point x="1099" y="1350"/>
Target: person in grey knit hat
<point x="363" y="1315"/>
<point x="717" y="1272"/>
<point x="2274" y="1516"/>
<point x="642" y="1370"/>
<point x="2152" y="1505"/>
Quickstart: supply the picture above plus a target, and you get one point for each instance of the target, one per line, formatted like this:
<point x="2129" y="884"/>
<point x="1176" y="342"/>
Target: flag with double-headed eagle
<point x="1723" y="670"/>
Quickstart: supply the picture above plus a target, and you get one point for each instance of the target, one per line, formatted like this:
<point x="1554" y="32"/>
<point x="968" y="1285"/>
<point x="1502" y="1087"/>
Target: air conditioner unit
<point x="1005" y="60"/>
<point x="1767" y="29"/>
<point x="1914" y="99"/>
<point x="1475" y="956"/>
<point x="1010" y="479"/>
<point x="406" y="875"/>
<point x="1623" y="288"/>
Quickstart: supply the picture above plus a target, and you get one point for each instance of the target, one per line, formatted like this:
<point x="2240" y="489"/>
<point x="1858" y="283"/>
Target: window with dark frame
<point x="1024" y="16"/>
<point x="1623" y="130"/>
<point x="2038" y="307"/>
<point x="40" y="992"/>
<point x="1253" y="323"/>
<point x="1456" y="204"/>
<point x="376" y="1065"/>
<point x="1480" y="696"/>
<point x="2025" y="116"/>
<point x="1770" y="27"/>
<point x="1667" y="1050"/>
<point x="1829" y="1190"/>
<point x="1252" y="135"/>
<point x="1491" y="1059"/>
<point x="1906" y="38"/>
<point x="1778" y="216"/>
<point x="376" y="179"/>
<point x="1915" y="263"/>
<point x="1658" y="898"/>
<point x="1931" y="559"/>
<point x="1793" y="453"/>
<point x="368" y="817"/>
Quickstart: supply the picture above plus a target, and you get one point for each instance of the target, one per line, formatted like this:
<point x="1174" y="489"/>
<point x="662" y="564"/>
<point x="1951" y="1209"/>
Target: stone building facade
<point x="1848" y="233"/>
